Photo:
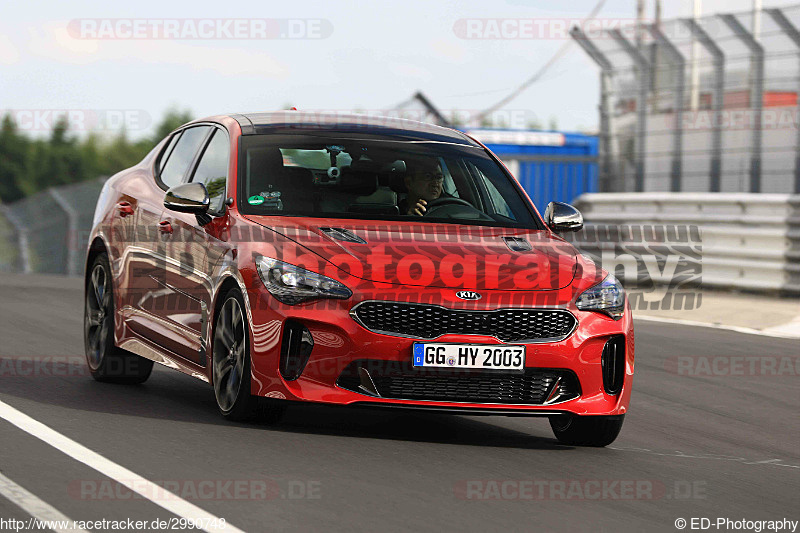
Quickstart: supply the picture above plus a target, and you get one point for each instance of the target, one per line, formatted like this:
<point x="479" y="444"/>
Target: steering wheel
<point x="444" y="201"/>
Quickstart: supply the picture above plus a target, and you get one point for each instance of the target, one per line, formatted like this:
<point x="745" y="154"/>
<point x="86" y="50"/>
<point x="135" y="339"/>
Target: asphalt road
<point x="692" y="445"/>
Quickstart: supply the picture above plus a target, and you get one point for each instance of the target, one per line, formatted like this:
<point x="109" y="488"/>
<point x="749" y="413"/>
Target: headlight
<point x="607" y="297"/>
<point x="292" y="284"/>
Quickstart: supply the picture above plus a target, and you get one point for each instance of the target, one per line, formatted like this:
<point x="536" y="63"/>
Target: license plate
<point x="483" y="356"/>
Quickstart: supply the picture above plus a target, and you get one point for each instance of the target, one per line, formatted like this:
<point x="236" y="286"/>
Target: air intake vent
<point x="613" y="364"/>
<point x="517" y="244"/>
<point x="341" y="234"/>
<point x="295" y="349"/>
<point x="400" y="380"/>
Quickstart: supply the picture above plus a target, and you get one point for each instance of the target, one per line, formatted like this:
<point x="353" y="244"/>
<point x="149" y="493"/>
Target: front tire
<point x="107" y="362"/>
<point x="595" y="431"/>
<point x="231" y="366"/>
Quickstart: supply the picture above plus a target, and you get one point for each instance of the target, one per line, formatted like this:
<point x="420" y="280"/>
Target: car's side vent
<point x="295" y="349"/>
<point x="517" y="244"/>
<point x="613" y="364"/>
<point x="341" y="234"/>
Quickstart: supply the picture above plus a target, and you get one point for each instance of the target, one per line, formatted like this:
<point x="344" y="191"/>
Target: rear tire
<point x="231" y="366"/>
<point x="107" y="362"/>
<point x="596" y="431"/>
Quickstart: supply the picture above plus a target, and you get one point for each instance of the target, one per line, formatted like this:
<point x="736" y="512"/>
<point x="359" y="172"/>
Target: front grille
<point x="403" y="381"/>
<point x="425" y="321"/>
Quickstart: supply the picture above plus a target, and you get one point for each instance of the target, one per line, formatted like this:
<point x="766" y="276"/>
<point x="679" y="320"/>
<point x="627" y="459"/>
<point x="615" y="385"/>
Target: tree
<point x="171" y="121"/>
<point x="28" y="166"/>
<point x="56" y="161"/>
<point x="13" y="159"/>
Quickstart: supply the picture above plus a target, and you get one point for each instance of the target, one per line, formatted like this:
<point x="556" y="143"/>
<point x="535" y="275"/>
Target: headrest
<point x="264" y="161"/>
<point x="266" y="168"/>
<point x="397" y="183"/>
<point x="359" y="182"/>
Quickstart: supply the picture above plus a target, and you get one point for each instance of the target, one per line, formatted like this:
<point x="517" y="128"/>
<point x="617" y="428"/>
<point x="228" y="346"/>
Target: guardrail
<point x="748" y="241"/>
<point x="47" y="232"/>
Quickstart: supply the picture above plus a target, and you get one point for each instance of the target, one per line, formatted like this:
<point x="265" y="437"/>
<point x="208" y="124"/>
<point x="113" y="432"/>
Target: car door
<point x="196" y="247"/>
<point x="139" y="288"/>
<point x="156" y="301"/>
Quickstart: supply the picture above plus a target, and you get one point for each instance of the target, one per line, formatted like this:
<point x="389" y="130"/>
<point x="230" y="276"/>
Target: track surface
<point x="712" y="446"/>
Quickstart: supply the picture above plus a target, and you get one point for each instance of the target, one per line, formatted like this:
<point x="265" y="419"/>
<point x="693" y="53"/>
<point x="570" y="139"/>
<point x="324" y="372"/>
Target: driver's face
<point x="426" y="184"/>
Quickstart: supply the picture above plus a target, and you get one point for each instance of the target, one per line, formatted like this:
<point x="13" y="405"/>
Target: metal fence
<point x="699" y="105"/>
<point x="47" y="232"/>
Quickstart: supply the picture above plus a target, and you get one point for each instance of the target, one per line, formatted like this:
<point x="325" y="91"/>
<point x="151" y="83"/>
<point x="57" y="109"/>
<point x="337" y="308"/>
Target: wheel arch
<point x="229" y="281"/>
<point x="97" y="247"/>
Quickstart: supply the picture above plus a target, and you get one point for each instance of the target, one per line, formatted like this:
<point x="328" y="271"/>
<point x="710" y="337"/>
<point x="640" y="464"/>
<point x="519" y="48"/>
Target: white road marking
<point x="31" y="504"/>
<point x="715" y="457"/>
<point x="769" y="332"/>
<point x="120" y="474"/>
<point x="790" y="328"/>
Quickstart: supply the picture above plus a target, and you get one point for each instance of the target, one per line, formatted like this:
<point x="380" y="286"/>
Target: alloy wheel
<point x="229" y="354"/>
<point x="98" y="311"/>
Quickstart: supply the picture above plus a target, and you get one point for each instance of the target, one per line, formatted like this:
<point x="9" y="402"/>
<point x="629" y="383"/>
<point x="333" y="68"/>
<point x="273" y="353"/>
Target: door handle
<point x="165" y="227"/>
<point x="124" y="209"/>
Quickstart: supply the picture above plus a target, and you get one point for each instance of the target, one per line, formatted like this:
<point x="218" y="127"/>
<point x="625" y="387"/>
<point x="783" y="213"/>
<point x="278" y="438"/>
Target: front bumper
<point x="339" y="341"/>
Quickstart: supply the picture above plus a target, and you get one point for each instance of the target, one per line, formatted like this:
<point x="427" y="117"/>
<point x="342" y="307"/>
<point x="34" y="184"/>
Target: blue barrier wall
<point x="551" y="166"/>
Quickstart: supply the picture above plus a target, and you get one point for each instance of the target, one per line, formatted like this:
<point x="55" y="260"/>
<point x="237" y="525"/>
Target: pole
<point x="756" y="95"/>
<point x="694" y="98"/>
<point x="643" y="69"/>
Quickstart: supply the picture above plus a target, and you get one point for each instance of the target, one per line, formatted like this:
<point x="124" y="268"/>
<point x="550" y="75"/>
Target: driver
<point x="424" y="184"/>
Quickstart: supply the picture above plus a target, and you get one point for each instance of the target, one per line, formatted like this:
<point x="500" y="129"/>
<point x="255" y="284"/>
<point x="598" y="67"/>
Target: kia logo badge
<point x="468" y="295"/>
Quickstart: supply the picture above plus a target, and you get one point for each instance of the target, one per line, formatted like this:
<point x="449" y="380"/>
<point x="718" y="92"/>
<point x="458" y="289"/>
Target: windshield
<point x="377" y="179"/>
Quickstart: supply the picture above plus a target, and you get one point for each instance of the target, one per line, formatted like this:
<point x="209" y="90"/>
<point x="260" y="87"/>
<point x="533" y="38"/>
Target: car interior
<point x="334" y="179"/>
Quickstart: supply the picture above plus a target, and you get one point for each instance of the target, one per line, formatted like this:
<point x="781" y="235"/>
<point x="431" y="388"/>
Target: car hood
<point x="433" y="255"/>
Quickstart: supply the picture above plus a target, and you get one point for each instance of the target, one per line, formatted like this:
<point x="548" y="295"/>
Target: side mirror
<point x="561" y="217"/>
<point x="188" y="198"/>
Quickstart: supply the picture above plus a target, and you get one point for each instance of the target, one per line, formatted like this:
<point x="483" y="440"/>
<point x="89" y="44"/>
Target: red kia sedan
<point x="299" y="257"/>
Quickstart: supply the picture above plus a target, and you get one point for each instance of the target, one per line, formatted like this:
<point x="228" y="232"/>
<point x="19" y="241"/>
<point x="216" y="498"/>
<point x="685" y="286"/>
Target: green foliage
<point x="30" y="165"/>
<point x="13" y="160"/>
<point x="171" y="121"/>
<point x="215" y="187"/>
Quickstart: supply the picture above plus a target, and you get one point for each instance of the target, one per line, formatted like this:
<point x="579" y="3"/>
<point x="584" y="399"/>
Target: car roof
<point x="304" y="122"/>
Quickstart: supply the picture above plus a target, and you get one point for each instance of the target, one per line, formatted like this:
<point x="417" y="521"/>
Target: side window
<point x="168" y="151"/>
<point x="182" y="155"/>
<point x="212" y="171"/>
<point x="499" y="204"/>
<point x="449" y="186"/>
